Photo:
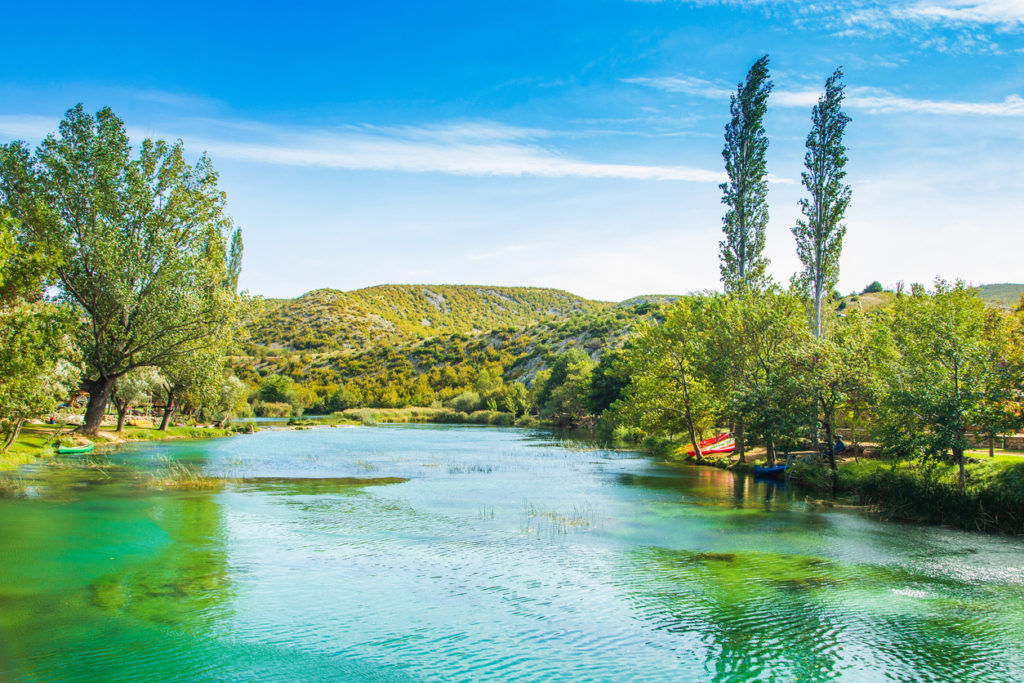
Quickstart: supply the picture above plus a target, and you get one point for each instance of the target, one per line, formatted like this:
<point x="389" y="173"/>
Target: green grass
<point x="37" y="441"/>
<point x="992" y="501"/>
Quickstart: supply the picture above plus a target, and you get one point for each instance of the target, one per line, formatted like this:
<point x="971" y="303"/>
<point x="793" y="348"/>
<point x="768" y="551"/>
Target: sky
<point x="566" y="144"/>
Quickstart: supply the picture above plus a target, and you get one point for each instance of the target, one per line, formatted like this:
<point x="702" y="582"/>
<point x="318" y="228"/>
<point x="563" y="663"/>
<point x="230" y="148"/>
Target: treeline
<point x="118" y="277"/>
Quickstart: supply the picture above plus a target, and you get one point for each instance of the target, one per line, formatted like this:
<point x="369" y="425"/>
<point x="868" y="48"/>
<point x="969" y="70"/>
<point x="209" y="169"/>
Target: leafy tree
<point x="516" y="399"/>
<point x="141" y="243"/>
<point x="607" y="382"/>
<point x="466" y="402"/>
<point x="819" y="235"/>
<point x="844" y="370"/>
<point x="670" y="390"/>
<point x="132" y="388"/>
<point x="570" y="389"/>
<point x="231" y="401"/>
<point x="39" y="364"/>
<point x="770" y="390"/>
<point x="194" y="383"/>
<point x="949" y="354"/>
<point x="280" y="389"/>
<point x="873" y="288"/>
<point x="746" y="193"/>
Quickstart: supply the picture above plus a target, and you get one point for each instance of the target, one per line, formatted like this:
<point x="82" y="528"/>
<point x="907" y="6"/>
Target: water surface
<point x="463" y="553"/>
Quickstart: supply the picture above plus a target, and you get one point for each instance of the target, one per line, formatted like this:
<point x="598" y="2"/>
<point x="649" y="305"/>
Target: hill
<point x="332" y="320"/>
<point x="1005" y="294"/>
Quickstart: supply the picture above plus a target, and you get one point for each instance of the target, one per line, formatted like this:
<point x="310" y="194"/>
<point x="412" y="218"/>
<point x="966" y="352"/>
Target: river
<point x="421" y="553"/>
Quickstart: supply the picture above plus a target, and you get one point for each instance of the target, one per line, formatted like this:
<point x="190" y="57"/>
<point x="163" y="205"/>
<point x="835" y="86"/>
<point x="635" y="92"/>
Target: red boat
<point x="723" y="443"/>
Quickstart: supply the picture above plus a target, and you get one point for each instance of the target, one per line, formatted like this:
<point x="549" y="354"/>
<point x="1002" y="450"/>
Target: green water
<point x="480" y="554"/>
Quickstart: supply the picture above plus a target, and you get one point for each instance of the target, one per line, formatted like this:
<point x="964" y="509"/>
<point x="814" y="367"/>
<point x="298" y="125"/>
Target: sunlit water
<point x="481" y="554"/>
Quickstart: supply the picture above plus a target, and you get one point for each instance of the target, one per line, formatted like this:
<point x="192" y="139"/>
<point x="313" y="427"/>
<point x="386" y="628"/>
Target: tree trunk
<point x="770" y="447"/>
<point x="829" y="445"/>
<point x="992" y="445"/>
<point x="13" y="436"/>
<point x="122" y="413"/>
<point x="168" y="410"/>
<point x="958" y="453"/>
<point x="740" y="444"/>
<point x="689" y="422"/>
<point x="99" y="398"/>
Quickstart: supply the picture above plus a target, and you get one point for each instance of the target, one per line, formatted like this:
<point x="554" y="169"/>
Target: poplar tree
<point x="819" y="235"/>
<point x="743" y="263"/>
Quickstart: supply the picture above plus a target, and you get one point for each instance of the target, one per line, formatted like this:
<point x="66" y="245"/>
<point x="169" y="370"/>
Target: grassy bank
<point x="36" y="441"/>
<point x="993" y="500"/>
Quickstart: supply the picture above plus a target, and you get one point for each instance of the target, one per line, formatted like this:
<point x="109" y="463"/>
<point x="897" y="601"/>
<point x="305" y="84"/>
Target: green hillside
<point x="328" y="319"/>
<point x="1005" y="294"/>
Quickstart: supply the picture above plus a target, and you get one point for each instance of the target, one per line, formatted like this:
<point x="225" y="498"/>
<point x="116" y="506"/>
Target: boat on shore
<point x="722" y="443"/>
<point x="771" y="472"/>
<point x="71" y="450"/>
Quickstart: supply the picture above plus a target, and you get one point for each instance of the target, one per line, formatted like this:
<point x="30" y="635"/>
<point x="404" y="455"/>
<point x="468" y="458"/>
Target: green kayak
<point x="67" y="450"/>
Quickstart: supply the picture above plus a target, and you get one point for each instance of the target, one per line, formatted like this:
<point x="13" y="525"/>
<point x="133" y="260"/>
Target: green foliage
<point x="466" y="402"/>
<point x="278" y="390"/>
<point x="953" y="357"/>
<point x="671" y="388"/>
<point x="873" y="288"/>
<point x="743" y="263"/>
<point x="141" y="243"/>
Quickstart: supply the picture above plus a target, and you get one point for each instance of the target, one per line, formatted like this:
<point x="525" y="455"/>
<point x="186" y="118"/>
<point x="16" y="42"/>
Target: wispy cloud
<point x="871" y="100"/>
<point x="472" y="148"/>
<point x="26" y="127"/>
<point x="1005" y="13"/>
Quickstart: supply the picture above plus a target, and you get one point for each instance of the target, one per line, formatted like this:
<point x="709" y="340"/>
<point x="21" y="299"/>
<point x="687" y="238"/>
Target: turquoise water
<point x="412" y="553"/>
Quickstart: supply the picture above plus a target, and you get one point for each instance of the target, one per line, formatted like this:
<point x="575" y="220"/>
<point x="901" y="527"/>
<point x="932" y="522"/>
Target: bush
<point x="466" y="402"/>
<point x="873" y="288"/>
<point x="273" y="409"/>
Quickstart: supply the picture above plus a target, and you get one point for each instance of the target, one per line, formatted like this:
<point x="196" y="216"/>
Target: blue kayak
<point x="773" y="472"/>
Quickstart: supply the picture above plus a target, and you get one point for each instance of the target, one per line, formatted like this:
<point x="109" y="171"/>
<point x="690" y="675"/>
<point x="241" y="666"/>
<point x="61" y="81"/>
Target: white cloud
<point x="472" y="150"/>
<point x="26" y="127"/>
<point x="871" y="100"/>
<point x="1005" y="13"/>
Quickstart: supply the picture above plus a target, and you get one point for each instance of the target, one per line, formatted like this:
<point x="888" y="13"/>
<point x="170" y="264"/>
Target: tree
<point x="669" y="389"/>
<point x="819" y="235"/>
<point x="949" y="354"/>
<point x="607" y="381"/>
<point x="38" y="360"/>
<point x="746" y="193"/>
<point x="194" y="383"/>
<point x="844" y="367"/>
<point x="142" y="245"/>
<point x="280" y="389"/>
<point x="132" y="388"/>
<point x="770" y="389"/>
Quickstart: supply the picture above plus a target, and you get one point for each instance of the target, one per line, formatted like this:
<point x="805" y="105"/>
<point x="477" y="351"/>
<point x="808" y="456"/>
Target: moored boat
<point x="772" y="472"/>
<point x="70" y="450"/>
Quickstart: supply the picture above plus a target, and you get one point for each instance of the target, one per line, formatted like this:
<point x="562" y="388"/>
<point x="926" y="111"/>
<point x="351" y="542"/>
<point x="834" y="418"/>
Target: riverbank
<point x="993" y="500"/>
<point x="41" y="440"/>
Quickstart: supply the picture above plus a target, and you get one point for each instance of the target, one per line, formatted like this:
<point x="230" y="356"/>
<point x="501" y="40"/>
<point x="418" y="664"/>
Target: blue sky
<point x="566" y="144"/>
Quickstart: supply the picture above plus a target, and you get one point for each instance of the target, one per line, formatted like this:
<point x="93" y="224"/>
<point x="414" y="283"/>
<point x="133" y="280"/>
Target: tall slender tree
<point x="746" y="193"/>
<point x="819" y="235"/>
